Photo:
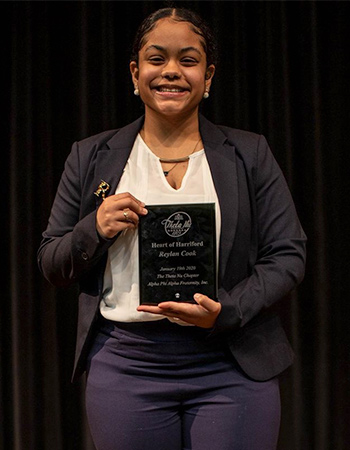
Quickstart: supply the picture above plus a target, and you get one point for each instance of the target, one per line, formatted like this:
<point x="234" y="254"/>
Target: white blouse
<point x="143" y="177"/>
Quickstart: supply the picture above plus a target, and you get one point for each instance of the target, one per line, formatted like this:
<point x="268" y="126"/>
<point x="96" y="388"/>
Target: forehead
<point x="168" y="32"/>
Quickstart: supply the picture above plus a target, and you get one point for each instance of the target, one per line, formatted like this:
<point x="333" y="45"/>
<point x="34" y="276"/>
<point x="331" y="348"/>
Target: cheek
<point x="147" y="75"/>
<point x="197" y="78"/>
<point x="199" y="82"/>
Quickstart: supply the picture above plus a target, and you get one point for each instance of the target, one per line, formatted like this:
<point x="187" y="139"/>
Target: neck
<point x="171" y="137"/>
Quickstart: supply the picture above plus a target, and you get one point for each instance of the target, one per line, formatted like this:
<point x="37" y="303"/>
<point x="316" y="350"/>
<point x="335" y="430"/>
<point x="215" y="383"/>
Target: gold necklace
<point x="178" y="160"/>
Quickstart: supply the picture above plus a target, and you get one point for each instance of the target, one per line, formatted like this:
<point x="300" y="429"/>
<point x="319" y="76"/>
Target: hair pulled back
<point x="198" y="25"/>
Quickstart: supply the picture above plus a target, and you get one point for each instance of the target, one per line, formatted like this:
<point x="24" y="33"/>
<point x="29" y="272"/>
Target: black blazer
<point x="262" y="245"/>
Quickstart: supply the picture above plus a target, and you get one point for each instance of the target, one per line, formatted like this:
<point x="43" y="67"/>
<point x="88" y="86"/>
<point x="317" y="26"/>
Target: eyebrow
<point x="183" y="50"/>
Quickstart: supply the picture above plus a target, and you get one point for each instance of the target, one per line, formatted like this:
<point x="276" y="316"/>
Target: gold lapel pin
<point x="103" y="187"/>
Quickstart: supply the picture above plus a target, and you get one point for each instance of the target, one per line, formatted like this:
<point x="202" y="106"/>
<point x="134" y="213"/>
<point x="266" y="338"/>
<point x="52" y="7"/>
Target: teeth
<point x="170" y="90"/>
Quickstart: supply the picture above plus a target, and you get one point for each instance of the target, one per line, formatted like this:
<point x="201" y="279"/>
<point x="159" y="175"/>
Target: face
<point x="172" y="73"/>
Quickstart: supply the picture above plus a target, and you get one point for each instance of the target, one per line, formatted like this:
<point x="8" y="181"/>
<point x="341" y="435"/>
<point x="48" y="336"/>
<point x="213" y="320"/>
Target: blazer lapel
<point x="110" y="162"/>
<point x="221" y="157"/>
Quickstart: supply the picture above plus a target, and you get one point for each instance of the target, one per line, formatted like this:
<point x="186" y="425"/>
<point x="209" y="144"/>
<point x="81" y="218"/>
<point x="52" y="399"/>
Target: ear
<point x="134" y="70"/>
<point x="209" y="73"/>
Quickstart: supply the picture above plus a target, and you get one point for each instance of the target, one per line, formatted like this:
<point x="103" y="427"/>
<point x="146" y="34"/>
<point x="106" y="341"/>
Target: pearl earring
<point x="206" y="94"/>
<point x="136" y="91"/>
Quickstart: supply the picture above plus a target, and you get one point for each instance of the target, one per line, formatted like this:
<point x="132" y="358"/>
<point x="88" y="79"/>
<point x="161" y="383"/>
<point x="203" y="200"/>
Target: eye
<point x="189" y="61"/>
<point x="156" y="59"/>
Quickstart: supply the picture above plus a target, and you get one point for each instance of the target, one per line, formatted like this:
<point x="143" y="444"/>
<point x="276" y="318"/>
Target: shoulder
<point x="117" y="138"/>
<point x="251" y="148"/>
<point x="97" y="141"/>
<point x="242" y="141"/>
<point x="245" y="146"/>
<point x="84" y="152"/>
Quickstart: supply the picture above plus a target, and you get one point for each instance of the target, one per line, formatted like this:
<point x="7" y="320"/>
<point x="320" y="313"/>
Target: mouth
<point x="171" y="89"/>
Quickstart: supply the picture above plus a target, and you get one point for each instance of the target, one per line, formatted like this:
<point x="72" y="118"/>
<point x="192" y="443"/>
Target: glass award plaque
<point x="177" y="253"/>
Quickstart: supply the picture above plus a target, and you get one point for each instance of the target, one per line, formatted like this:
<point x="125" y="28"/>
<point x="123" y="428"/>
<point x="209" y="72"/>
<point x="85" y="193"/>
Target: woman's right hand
<point x="117" y="213"/>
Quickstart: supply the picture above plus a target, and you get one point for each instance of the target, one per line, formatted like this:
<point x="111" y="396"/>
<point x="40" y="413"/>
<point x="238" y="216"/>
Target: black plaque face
<point x="177" y="253"/>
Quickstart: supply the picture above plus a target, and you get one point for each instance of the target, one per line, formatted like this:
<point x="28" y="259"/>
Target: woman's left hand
<point x="202" y="314"/>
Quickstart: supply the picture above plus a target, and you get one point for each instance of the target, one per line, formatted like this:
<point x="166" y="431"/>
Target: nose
<point x="171" y="71"/>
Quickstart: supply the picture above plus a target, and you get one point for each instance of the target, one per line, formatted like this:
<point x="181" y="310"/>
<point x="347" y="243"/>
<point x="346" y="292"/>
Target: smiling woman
<point x="172" y="73"/>
<point x="177" y="375"/>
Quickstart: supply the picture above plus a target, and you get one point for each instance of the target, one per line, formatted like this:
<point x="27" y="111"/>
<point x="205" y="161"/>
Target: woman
<point x="176" y="375"/>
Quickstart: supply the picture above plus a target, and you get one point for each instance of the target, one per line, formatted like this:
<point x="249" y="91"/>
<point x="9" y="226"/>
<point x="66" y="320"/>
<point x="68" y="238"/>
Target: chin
<point x="168" y="110"/>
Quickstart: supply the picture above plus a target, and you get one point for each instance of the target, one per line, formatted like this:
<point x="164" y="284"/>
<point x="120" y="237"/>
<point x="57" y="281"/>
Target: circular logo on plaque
<point x="177" y="224"/>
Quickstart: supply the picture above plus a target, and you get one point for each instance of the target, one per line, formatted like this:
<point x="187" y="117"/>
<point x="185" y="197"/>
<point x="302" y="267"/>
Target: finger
<point x="114" y="205"/>
<point x="206" y="302"/>
<point x="127" y="215"/>
<point x="110" y="223"/>
<point x="127" y="195"/>
<point x="157" y="310"/>
<point x="149" y="309"/>
<point x="176" y="307"/>
<point x="123" y="201"/>
<point x="179" y="309"/>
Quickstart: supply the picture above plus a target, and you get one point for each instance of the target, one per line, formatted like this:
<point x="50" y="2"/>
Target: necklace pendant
<point x="166" y="173"/>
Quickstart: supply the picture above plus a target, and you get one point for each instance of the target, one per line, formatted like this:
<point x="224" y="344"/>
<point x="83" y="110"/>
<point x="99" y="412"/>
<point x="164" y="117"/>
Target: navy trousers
<point x="158" y="385"/>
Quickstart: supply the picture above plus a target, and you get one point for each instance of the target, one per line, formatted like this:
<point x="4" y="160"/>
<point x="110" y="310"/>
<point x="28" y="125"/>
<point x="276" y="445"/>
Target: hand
<point x="202" y="314"/>
<point x="117" y="213"/>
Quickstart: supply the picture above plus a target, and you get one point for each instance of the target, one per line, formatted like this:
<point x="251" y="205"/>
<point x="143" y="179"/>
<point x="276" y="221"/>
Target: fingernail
<point x="197" y="296"/>
<point x="145" y="211"/>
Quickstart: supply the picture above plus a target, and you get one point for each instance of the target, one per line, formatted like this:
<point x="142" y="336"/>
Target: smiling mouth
<point x="166" y="89"/>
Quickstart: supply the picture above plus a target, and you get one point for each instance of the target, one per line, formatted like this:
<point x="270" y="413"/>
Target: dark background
<point x="284" y="72"/>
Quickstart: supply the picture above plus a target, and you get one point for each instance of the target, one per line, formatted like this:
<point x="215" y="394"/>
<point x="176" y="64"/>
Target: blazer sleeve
<point x="280" y="243"/>
<point x="71" y="246"/>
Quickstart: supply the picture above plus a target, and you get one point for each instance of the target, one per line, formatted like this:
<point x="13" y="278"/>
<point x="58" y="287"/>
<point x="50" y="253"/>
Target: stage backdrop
<point x="284" y="72"/>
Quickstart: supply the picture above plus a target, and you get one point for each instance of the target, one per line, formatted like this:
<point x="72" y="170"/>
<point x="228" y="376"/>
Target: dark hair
<point x="199" y="26"/>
